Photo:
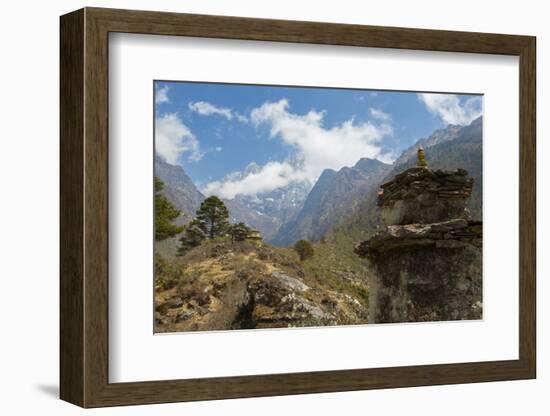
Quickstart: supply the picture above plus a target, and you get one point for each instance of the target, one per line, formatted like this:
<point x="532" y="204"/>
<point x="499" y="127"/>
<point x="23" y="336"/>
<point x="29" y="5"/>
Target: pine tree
<point x="238" y="232"/>
<point x="192" y="237"/>
<point x="213" y="217"/>
<point x="304" y="249"/>
<point x="165" y="213"/>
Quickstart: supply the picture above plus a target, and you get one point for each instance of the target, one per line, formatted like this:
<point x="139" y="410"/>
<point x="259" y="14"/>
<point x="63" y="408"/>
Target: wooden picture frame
<point x="84" y="207"/>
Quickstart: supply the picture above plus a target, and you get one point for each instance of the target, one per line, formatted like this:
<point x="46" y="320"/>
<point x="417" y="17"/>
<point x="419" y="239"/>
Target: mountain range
<point x="335" y="196"/>
<point x="179" y="189"/>
<point x="343" y="199"/>
<point x="450" y="148"/>
<point x="266" y="214"/>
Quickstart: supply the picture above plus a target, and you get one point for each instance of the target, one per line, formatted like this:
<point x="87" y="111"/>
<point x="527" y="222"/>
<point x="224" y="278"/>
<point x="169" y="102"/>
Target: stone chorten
<point x="427" y="255"/>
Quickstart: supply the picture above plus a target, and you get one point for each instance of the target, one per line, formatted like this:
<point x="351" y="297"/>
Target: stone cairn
<point x="427" y="255"/>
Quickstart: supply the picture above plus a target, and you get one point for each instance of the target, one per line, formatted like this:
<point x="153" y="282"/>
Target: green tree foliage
<point x="192" y="237"/>
<point x="165" y="213"/>
<point x="213" y="217"/>
<point x="238" y="232"/>
<point x="304" y="249"/>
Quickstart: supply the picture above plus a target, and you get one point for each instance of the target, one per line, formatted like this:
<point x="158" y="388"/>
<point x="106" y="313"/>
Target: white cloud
<point x="173" y="138"/>
<point x="379" y="114"/>
<point x="161" y="95"/>
<point x="449" y="108"/>
<point x="241" y="118"/>
<point x="314" y="148"/>
<point x="205" y="109"/>
<point x="219" y="149"/>
<point x="270" y="176"/>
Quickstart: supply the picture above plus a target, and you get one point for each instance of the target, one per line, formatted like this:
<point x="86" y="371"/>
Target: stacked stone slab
<point x="420" y="195"/>
<point x="427" y="257"/>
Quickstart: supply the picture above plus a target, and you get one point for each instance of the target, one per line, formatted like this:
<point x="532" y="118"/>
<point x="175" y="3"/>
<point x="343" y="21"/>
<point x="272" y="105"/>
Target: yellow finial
<point x="421" y="158"/>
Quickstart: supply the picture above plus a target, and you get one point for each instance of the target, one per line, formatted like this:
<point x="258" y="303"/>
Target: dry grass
<point x="208" y="288"/>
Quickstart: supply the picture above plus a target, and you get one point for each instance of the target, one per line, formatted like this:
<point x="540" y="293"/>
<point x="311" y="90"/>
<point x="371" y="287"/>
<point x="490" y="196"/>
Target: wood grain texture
<point x="527" y="208"/>
<point x="71" y="185"/>
<point x="96" y="219"/>
<point x="84" y="207"/>
<point x="225" y="27"/>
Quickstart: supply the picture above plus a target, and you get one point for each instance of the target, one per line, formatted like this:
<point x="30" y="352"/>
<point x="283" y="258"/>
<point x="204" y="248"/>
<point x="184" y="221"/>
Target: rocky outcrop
<point x="280" y="300"/>
<point x="241" y="285"/>
<point x="427" y="257"/>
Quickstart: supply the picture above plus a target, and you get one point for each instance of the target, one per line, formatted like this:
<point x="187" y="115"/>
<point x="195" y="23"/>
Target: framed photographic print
<point x="256" y="207"/>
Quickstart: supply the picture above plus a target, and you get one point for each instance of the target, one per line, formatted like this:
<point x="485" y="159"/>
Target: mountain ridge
<point x="450" y="147"/>
<point x="335" y="195"/>
<point x="182" y="192"/>
<point x="461" y="149"/>
<point x="338" y="198"/>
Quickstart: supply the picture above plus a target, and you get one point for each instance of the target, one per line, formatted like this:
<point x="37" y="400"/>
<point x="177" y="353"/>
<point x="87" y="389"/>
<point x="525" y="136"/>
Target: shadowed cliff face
<point x="427" y="259"/>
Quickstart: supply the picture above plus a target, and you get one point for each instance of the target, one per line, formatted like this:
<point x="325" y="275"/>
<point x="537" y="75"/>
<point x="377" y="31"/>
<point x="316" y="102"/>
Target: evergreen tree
<point x="213" y="217"/>
<point x="192" y="237"/>
<point x="238" y="232"/>
<point x="304" y="249"/>
<point x="165" y="213"/>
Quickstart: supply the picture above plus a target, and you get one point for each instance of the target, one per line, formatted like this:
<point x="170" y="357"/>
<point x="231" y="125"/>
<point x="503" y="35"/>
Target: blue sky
<point x="249" y="139"/>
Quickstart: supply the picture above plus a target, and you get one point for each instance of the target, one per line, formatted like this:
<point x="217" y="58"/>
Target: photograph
<point x="298" y="206"/>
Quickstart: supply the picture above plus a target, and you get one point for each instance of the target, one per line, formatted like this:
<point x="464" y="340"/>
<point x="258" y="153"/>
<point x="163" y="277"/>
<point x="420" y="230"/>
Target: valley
<point x="222" y="283"/>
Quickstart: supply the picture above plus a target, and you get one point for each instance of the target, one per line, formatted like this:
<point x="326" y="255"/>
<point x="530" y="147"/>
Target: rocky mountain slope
<point x="178" y="188"/>
<point x="222" y="285"/>
<point x="282" y="203"/>
<point x="451" y="148"/>
<point x="182" y="192"/>
<point x="443" y="135"/>
<point x="266" y="224"/>
<point x="455" y="147"/>
<point x="338" y="199"/>
<point x="334" y="197"/>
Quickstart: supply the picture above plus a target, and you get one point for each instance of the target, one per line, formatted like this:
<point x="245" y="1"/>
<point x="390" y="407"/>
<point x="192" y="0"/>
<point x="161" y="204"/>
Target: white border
<point x="135" y="354"/>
